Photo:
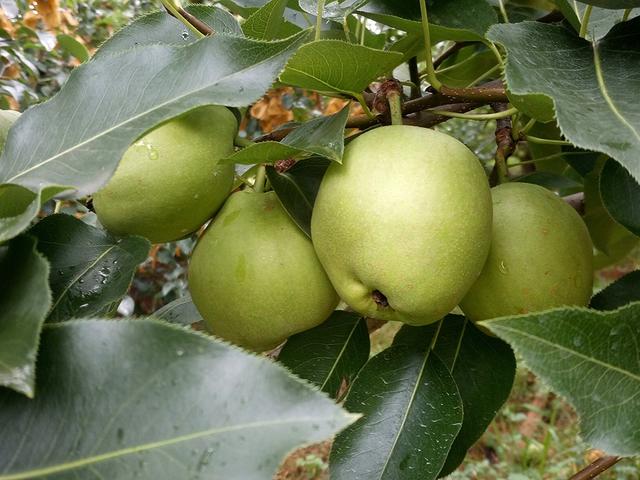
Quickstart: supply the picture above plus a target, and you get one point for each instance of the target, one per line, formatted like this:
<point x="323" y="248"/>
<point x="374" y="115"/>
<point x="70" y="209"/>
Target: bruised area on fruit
<point x="380" y="299"/>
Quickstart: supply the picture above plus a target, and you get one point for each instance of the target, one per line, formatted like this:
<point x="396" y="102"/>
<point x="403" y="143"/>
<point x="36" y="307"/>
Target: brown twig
<point x="458" y="100"/>
<point x="195" y="22"/>
<point x="504" y="141"/>
<point x="596" y="468"/>
<point x="202" y="27"/>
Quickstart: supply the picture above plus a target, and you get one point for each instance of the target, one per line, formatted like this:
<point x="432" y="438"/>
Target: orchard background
<point x="536" y="433"/>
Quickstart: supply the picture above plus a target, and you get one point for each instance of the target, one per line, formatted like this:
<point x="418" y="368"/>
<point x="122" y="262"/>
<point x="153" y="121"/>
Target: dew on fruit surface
<point x="196" y="196"/>
<point x="503" y="267"/>
<point x="185" y="35"/>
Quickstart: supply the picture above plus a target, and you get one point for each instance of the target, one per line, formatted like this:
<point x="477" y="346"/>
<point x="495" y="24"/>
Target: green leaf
<point x="601" y="20"/>
<point x="535" y="106"/>
<point x="90" y="269"/>
<point x="412" y="414"/>
<point x="621" y="196"/>
<point x="24" y="301"/>
<point x="464" y="72"/>
<point x="160" y="27"/>
<point x="483" y="368"/>
<point x="609" y="237"/>
<point x="331" y="354"/>
<point x="266" y="23"/>
<point x="613" y="3"/>
<point x="73" y="47"/>
<point x="181" y="311"/>
<point x="297" y="189"/>
<point x="333" y="66"/>
<point x="594" y="103"/>
<point x="105" y="110"/>
<point x="333" y="9"/>
<point x="592" y="359"/>
<point x="451" y="20"/>
<point x="323" y="136"/>
<point x="149" y="400"/>
<point x="621" y="292"/>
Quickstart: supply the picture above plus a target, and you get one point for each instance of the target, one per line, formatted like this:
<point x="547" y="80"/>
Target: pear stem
<point x="478" y="116"/>
<point x="319" y="19"/>
<point x="395" y="107"/>
<point x="545" y="141"/>
<point x="503" y="11"/>
<point x="431" y="71"/>
<point x="261" y="175"/>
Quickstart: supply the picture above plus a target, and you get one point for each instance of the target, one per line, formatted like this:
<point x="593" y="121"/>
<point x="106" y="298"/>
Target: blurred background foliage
<point x="535" y="436"/>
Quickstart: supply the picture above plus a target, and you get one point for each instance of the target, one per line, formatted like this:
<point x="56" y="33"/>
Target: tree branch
<point x="459" y="100"/>
<point x="596" y="468"/>
<point x="504" y="141"/>
<point x="195" y="22"/>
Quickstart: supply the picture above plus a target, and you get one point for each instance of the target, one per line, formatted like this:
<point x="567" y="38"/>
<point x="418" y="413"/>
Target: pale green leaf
<point x="333" y="66"/>
<point x="593" y="86"/>
<point x="593" y="359"/>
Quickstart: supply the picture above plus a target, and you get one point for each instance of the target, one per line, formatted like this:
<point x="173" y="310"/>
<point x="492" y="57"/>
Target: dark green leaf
<point x="24" y="302"/>
<point x="621" y="195"/>
<point x="90" y="269"/>
<point x="450" y="20"/>
<point x="266" y="23"/>
<point x="483" y="368"/>
<point x="329" y="355"/>
<point x="621" y="292"/>
<point x="594" y="100"/>
<point x="464" y="72"/>
<point x="297" y="189"/>
<point x="144" y="399"/>
<point x="592" y="359"/>
<point x="322" y="136"/>
<point x="105" y="110"/>
<point x="181" y="311"/>
<point x="333" y="66"/>
<point x="160" y="27"/>
<point x="412" y="414"/>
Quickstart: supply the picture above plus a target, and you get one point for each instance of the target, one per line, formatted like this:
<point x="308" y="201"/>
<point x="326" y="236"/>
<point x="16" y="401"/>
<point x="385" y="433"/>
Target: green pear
<point x="169" y="182"/>
<point x="541" y="256"/>
<point x="255" y="277"/>
<point x="403" y="226"/>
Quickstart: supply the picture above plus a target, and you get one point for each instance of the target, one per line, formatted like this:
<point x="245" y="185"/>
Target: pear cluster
<point x="405" y="229"/>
